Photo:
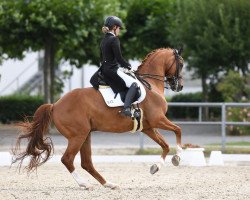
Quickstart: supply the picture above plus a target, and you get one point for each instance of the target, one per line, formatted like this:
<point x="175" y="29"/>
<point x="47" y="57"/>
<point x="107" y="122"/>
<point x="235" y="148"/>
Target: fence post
<point x="200" y="113"/>
<point x="141" y="141"/>
<point x="223" y="126"/>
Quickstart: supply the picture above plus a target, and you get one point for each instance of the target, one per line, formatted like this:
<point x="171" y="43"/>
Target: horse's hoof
<point x="90" y="188"/>
<point x="87" y="187"/>
<point x="116" y="187"/>
<point x="154" y="168"/>
<point x="176" y="160"/>
<point x="111" y="186"/>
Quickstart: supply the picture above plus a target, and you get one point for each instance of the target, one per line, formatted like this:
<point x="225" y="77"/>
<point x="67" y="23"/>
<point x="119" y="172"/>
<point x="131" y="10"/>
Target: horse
<point x="82" y="111"/>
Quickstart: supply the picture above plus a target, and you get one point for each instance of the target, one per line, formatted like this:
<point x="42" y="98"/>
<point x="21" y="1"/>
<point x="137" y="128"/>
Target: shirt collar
<point x="111" y="33"/>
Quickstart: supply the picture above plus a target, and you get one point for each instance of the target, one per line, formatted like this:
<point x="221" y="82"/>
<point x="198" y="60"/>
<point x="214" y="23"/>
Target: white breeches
<point x="127" y="79"/>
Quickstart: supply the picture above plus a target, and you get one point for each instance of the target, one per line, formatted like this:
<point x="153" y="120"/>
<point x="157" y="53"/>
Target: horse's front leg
<point x="158" y="138"/>
<point x="165" y="124"/>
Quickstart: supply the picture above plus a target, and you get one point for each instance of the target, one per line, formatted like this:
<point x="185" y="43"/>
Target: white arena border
<point x="5" y="158"/>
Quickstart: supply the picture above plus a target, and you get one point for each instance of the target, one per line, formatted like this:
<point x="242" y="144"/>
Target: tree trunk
<point x="52" y="71"/>
<point x="40" y="69"/>
<point x="204" y="95"/>
<point x="48" y="72"/>
<point x="204" y="88"/>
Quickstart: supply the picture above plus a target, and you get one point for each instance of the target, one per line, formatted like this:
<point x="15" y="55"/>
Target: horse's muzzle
<point x="179" y="88"/>
<point x="176" y="86"/>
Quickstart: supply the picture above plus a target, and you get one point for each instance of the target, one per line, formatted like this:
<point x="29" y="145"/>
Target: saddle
<point x="115" y="100"/>
<point x="98" y="79"/>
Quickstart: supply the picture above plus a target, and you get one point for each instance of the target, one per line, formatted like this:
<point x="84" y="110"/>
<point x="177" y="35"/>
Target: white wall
<point x="88" y="70"/>
<point x="11" y="69"/>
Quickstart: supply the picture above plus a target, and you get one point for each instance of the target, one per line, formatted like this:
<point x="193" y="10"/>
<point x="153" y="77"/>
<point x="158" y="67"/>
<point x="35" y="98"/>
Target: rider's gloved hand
<point x="129" y="67"/>
<point x="132" y="69"/>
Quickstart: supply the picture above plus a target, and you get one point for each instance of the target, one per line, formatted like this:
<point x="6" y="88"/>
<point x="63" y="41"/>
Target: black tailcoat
<point x="111" y="60"/>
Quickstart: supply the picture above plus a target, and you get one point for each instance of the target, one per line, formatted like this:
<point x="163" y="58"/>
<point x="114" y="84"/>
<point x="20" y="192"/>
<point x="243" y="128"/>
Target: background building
<point x="17" y="76"/>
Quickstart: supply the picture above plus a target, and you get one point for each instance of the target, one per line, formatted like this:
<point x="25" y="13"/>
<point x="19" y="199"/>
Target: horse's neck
<point x="154" y="68"/>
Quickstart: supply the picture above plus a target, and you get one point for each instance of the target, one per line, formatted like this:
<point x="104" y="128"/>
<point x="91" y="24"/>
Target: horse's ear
<point x="180" y="50"/>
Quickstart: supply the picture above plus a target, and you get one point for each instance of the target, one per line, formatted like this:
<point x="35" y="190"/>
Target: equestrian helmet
<point x="113" y="21"/>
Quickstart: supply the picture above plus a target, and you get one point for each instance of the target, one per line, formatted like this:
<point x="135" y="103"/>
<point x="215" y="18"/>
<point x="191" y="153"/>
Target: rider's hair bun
<point x="105" y="29"/>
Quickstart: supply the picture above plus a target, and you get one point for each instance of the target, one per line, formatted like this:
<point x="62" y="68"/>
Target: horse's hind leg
<point x="158" y="138"/>
<point x="74" y="145"/>
<point x="86" y="163"/>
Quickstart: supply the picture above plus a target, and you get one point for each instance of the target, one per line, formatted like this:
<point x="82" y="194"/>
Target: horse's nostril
<point x="180" y="87"/>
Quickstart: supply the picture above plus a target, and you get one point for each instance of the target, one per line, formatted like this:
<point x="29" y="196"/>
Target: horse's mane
<point x="151" y="53"/>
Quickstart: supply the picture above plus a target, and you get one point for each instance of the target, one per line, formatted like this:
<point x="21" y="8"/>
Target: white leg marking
<point x="178" y="150"/>
<point x="111" y="185"/>
<point x="161" y="163"/>
<point x="80" y="181"/>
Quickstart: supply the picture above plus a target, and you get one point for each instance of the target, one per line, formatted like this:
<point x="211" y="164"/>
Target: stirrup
<point x="137" y="113"/>
<point x="126" y="112"/>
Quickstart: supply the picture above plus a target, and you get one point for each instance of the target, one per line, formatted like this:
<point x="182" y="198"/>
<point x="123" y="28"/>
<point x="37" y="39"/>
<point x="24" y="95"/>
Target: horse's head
<point x="173" y="73"/>
<point x="164" y="63"/>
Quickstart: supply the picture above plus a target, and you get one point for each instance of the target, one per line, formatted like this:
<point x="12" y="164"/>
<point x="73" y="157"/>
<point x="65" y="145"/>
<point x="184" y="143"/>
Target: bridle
<point x="168" y="80"/>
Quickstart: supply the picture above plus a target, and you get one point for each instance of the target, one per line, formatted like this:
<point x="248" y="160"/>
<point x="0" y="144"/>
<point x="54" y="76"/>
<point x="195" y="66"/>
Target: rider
<point x="111" y="59"/>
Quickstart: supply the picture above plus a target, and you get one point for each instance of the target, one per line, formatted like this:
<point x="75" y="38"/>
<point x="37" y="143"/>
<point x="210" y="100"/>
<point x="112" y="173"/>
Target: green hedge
<point x="14" y="108"/>
<point x="184" y="112"/>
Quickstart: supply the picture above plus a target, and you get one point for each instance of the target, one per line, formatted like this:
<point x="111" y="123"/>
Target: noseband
<point x="166" y="79"/>
<point x="173" y="81"/>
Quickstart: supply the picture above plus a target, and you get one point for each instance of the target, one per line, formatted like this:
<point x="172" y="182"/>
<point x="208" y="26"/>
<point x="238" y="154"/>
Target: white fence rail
<point x="223" y="122"/>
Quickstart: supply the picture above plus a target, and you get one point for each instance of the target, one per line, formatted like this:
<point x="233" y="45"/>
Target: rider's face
<point x="117" y="30"/>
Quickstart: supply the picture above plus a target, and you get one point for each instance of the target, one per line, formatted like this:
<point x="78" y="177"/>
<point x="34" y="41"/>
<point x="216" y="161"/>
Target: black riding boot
<point x="129" y="99"/>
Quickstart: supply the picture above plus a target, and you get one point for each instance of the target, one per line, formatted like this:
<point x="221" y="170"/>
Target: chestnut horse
<point x="82" y="111"/>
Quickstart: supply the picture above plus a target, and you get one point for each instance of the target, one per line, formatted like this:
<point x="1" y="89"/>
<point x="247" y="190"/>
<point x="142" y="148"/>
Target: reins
<point x="141" y="77"/>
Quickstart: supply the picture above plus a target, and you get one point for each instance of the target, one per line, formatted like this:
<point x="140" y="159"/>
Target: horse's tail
<point x="39" y="148"/>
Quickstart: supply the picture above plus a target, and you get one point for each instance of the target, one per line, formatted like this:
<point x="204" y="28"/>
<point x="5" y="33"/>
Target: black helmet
<point x="112" y="21"/>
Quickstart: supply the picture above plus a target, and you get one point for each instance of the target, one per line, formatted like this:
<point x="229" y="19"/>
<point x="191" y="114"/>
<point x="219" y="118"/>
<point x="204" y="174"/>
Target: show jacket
<point x="111" y="59"/>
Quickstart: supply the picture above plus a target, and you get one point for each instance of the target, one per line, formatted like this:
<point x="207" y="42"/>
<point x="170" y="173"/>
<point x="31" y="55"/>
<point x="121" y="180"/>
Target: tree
<point x="234" y="87"/>
<point x="231" y="87"/>
<point x="216" y="36"/>
<point x="148" y="24"/>
<point x="66" y="30"/>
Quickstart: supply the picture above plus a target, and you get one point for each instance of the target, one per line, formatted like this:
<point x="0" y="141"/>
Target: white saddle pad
<point x="111" y="101"/>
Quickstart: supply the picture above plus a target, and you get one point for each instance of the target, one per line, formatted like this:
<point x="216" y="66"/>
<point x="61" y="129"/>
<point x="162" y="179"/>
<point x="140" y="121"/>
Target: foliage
<point x="188" y="97"/>
<point x="14" y="108"/>
<point x="184" y="112"/>
<point x="235" y="88"/>
<point x="215" y="34"/>
<point x="238" y="115"/>
<point x="191" y="112"/>
<point x="66" y="30"/>
<point x="148" y="24"/>
<point x="71" y="25"/>
<point x="83" y="47"/>
<point x="213" y="94"/>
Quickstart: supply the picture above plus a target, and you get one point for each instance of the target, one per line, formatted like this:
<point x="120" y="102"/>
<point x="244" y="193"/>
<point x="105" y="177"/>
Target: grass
<point x="231" y="148"/>
<point x="152" y="151"/>
<point x="243" y="143"/>
<point x="228" y="150"/>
